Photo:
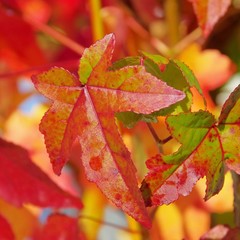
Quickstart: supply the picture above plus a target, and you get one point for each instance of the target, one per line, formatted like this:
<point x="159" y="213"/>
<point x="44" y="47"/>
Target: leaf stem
<point x="186" y="41"/>
<point x="159" y="45"/>
<point x="159" y="141"/>
<point x="96" y="19"/>
<point x="76" y="47"/>
<point x="236" y="193"/>
<point x="110" y="224"/>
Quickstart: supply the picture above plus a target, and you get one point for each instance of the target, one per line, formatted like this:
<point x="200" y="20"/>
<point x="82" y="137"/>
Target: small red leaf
<point x="23" y="182"/>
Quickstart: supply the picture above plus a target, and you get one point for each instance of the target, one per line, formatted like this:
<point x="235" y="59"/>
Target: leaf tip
<point x="57" y="166"/>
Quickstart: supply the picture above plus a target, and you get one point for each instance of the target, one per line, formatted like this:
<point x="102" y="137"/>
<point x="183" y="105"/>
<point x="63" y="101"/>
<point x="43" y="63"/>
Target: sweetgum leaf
<point x="229" y="127"/>
<point x="208" y="13"/>
<point x="200" y="155"/>
<point x="175" y="73"/>
<point x="23" y="182"/>
<point x="206" y="146"/>
<point x="84" y="111"/>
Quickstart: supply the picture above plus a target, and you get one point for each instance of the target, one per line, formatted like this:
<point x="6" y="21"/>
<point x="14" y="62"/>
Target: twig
<point x="160" y="46"/>
<point x="171" y="9"/>
<point x="157" y="139"/>
<point x="110" y="224"/>
<point x="76" y="47"/>
<point x="66" y="64"/>
<point x="96" y="19"/>
<point x="186" y="41"/>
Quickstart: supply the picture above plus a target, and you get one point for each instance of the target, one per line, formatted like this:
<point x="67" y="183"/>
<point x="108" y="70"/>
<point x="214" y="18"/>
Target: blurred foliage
<point x="38" y="34"/>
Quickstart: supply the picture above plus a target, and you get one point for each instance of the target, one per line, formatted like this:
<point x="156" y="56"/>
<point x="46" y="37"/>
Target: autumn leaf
<point x="83" y="110"/>
<point x="12" y="52"/>
<point x="206" y="146"/>
<point x="60" y="226"/>
<point x="200" y="155"/>
<point x="6" y="231"/>
<point x="174" y="72"/>
<point x="19" y="171"/>
<point x="209" y="12"/>
<point x="29" y="219"/>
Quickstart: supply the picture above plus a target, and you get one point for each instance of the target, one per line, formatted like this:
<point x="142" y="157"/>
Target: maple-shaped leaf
<point x="21" y="181"/>
<point x="84" y="109"/>
<point x="206" y="146"/>
<point x="208" y="13"/>
<point x="60" y="226"/>
<point x="200" y="155"/>
<point x="174" y="72"/>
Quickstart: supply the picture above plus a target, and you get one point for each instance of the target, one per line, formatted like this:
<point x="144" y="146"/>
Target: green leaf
<point x="198" y="157"/>
<point x="206" y="146"/>
<point x="124" y="62"/>
<point x="189" y="129"/>
<point x="156" y="58"/>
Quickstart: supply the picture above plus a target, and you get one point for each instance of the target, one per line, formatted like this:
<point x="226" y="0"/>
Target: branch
<point x="110" y="224"/>
<point x="158" y="141"/>
<point x="96" y="19"/>
<point x="55" y="34"/>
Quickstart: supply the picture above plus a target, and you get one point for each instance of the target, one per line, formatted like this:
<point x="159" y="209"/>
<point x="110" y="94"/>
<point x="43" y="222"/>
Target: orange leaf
<point x="84" y="111"/>
<point x="209" y="12"/>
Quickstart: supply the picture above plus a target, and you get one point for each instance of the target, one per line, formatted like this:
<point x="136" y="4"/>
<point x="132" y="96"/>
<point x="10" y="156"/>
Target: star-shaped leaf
<point x="84" y="111"/>
<point x="174" y="72"/>
<point x="206" y="146"/>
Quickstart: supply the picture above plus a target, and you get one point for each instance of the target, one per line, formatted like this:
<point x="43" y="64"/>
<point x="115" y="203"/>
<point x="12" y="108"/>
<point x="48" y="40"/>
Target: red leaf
<point x="60" y="226"/>
<point x="13" y="27"/>
<point x="84" y="111"/>
<point x="23" y="182"/>
<point x="201" y="154"/>
<point x="6" y="231"/>
<point x="209" y="12"/>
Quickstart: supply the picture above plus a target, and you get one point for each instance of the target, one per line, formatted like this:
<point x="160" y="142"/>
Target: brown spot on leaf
<point x="118" y="196"/>
<point x="95" y="163"/>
